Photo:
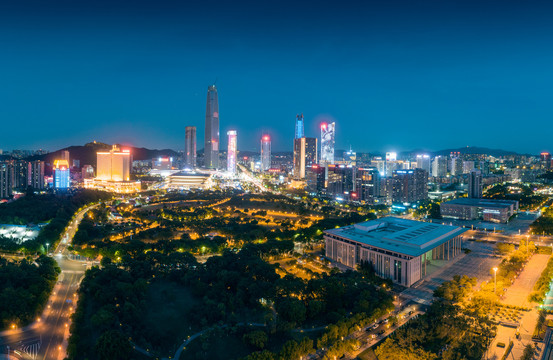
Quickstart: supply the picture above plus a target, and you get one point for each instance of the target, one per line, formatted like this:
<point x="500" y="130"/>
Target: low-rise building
<point x="398" y="249"/>
<point x="498" y="211"/>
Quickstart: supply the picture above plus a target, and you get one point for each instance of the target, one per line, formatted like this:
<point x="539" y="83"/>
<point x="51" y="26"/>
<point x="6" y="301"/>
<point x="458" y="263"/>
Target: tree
<point x="113" y="345"/>
<point x="257" y="339"/>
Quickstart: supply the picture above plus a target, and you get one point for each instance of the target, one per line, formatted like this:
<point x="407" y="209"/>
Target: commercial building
<point x="499" y="211"/>
<point x="87" y="172"/>
<point x="190" y="147"/>
<point x="456" y="166"/>
<point x="328" y="134"/>
<point x="439" y="166"/>
<point x="300" y="127"/>
<point x="265" y="152"/>
<point x="113" y="165"/>
<point x="231" y="151"/>
<point x="475" y="184"/>
<point x="423" y="162"/>
<point x="113" y="172"/>
<point x="398" y="249"/>
<point x="305" y="155"/>
<point x="368" y="185"/>
<point x="188" y="180"/>
<point x="545" y="159"/>
<point x="62" y="176"/>
<point x="211" y="139"/>
<point x="409" y="186"/>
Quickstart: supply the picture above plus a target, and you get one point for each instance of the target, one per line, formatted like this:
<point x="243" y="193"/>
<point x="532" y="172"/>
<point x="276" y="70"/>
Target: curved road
<point x="47" y="337"/>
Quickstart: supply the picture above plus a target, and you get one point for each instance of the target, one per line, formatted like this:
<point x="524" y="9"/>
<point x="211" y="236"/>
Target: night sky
<point x="394" y="75"/>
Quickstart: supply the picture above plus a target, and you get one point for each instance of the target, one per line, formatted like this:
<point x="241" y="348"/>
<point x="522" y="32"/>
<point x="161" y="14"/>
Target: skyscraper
<point x="231" y="153"/>
<point x="439" y="166"/>
<point x="423" y="162"/>
<point x="545" y="159"/>
<point x="475" y="185"/>
<point x="211" y="145"/>
<point x="113" y="165"/>
<point x="327" y="143"/>
<point x="300" y="128"/>
<point x="190" y="147"/>
<point x="35" y="175"/>
<point x="61" y="174"/>
<point x="409" y="185"/>
<point x="265" y="152"/>
<point x="305" y="155"/>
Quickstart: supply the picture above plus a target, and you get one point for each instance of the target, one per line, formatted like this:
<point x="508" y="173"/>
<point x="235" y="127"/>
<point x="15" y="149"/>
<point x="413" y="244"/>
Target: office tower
<point x="456" y="166"/>
<point x="64" y="156"/>
<point x="231" y="153"/>
<point x="439" y="166"/>
<point x="545" y="158"/>
<point x="423" y="162"/>
<point x="327" y="143"/>
<point x="350" y="157"/>
<point x="162" y="163"/>
<point x="190" y="147"/>
<point x="367" y="185"/>
<point x="315" y="178"/>
<point x="340" y="182"/>
<point x="409" y="186"/>
<point x="468" y="166"/>
<point x="475" y="184"/>
<point x="61" y="174"/>
<point x="35" y="175"/>
<point x="6" y="180"/>
<point x="300" y="128"/>
<point x="265" y="152"/>
<point x="211" y="144"/>
<point x="87" y="172"/>
<point x="305" y="155"/>
<point x="113" y="165"/>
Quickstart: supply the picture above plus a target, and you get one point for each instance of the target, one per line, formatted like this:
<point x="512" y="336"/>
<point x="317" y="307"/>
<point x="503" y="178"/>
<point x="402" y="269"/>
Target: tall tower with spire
<point x="211" y="144"/>
<point x="300" y="132"/>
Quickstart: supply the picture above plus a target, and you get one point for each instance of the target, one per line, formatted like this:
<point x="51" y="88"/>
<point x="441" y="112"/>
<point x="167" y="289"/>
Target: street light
<point x="47" y="244"/>
<point x="495" y="279"/>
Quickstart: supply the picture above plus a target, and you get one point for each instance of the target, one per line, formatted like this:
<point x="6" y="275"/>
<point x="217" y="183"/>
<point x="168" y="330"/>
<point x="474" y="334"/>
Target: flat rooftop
<point x="399" y="235"/>
<point x="487" y="203"/>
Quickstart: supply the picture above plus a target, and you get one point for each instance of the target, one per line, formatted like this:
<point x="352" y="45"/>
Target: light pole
<point x="495" y="279"/>
<point x="47" y="244"/>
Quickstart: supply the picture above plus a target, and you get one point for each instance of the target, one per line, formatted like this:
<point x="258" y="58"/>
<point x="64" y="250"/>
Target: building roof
<point x="399" y="235"/>
<point x="485" y="203"/>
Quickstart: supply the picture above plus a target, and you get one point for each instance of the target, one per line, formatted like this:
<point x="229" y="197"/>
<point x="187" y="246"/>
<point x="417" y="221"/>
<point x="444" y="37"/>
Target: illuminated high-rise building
<point x="231" y="152"/>
<point x="300" y="128"/>
<point x="113" y="165"/>
<point x="35" y="176"/>
<point x="545" y="159"/>
<point x="439" y="166"/>
<point x="61" y="174"/>
<point x="64" y="155"/>
<point x="265" y="152"/>
<point x="475" y="184"/>
<point x="87" y="172"/>
<point x="327" y="143"/>
<point x="190" y="147"/>
<point x="423" y="162"/>
<point x="305" y="155"/>
<point x="6" y="180"/>
<point x="211" y="144"/>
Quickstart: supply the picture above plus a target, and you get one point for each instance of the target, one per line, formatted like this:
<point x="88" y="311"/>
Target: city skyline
<point x="443" y="74"/>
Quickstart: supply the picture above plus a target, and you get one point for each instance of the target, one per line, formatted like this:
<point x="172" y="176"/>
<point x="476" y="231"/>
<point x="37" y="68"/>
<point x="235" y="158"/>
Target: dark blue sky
<point x="395" y="75"/>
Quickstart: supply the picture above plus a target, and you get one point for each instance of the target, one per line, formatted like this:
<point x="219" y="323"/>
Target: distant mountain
<point x="86" y="154"/>
<point x="475" y="150"/>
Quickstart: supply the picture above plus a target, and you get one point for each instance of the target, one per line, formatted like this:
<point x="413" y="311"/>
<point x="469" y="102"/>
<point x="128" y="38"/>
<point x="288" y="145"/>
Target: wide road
<point x="47" y="337"/>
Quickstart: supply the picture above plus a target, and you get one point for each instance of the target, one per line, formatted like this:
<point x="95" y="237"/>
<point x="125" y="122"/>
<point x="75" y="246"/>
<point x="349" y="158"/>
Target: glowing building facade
<point x="190" y="147"/>
<point x="113" y="165"/>
<point x="62" y="179"/>
<point x="300" y="128"/>
<point x="211" y="144"/>
<point x="328" y="133"/>
<point x="305" y="155"/>
<point x="265" y="152"/>
<point x="231" y="153"/>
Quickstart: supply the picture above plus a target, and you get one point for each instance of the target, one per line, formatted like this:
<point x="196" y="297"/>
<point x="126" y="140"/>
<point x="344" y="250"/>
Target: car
<point x="385" y="321"/>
